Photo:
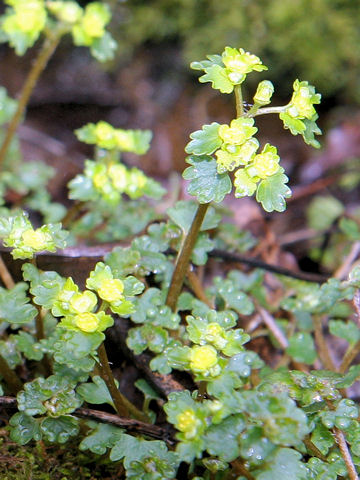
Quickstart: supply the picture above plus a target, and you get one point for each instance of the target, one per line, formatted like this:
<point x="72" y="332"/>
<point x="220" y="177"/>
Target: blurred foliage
<point x="314" y="39"/>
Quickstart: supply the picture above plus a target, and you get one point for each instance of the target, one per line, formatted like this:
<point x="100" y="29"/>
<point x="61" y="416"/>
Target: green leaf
<point x="24" y="428"/>
<point x="10" y="353"/>
<point x="54" y="395"/>
<point x="205" y="141"/>
<point x="349" y="331"/>
<point x="323" y="211"/>
<point x="302" y="348"/>
<point x="222" y="439"/>
<point x="44" y="286"/>
<point x="219" y="79"/>
<point x="255" y="448"/>
<point x="151" y="309"/>
<point x="148" y="336"/>
<point x="284" y="460"/>
<point x="76" y="349"/>
<point x="231" y="292"/>
<point x="96" y="392"/>
<point x="28" y="346"/>
<point x="183" y="213"/>
<point x="352" y="376"/>
<point x="203" y="245"/>
<point x="103" y="48"/>
<point x="311" y="129"/>
<point x="322" y="438"/>
<point x="205" y="183"/>
<point x="14" y="305"/>
<point x="272" y="192"/>
<point x="102" y="437"/>
<point x="59" y="429"/>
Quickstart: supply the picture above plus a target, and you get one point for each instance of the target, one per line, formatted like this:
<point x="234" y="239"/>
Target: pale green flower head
<point x="67" y="12"/>
<point x="92" y="24"/>
<point x="303" y="100"/>
<point x="265" y="163"/>
<point x="240" y="130"/>
<point x="23" y="23"/>
<point x="230" y="157"/>
<point x="264" y="93"/>
<point x="18" y="233"/>
<point x="238" y="63"/>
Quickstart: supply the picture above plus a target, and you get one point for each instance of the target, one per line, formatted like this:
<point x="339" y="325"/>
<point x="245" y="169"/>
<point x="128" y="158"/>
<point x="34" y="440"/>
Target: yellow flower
<point x="35" y="239"/>
<point x="266" y="165"/>
<point x="203" y="358"/>
<point x="87" y="322"/>
<point x="83" y="302"/>
<point x="111" y="290"/>
<point x="188" y="423"/>
<point x="118" y="175"/>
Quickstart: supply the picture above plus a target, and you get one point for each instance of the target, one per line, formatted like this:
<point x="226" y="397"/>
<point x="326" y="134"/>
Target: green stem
<point x="239" y="101"/>
<point x="264" y="111"/>
<point x="40" y="63"/>
<point x="10" y="377"/>
<point x="122" y="404"/>
<point x="183" y="259"/>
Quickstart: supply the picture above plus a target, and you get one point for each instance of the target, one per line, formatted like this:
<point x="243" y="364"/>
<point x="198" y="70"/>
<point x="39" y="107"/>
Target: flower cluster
<point x="18" y="234"/>
<point x="228" y="70"/>
<point x="110" y="182"/>
<point x="300" y="115"/>
<point x="214" y="339"/>
<point x="80" y="309"/>
<point x="26" y="20"/>
<point x="106" y="136"/>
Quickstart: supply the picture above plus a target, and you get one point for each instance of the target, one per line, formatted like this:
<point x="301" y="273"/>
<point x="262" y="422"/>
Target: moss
<point x="43" y="461"/>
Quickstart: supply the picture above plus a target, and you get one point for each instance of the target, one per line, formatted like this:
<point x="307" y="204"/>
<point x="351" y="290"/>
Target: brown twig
<point x="343" y="271"/>
<point x="323" y="350"/>
<point x="122" y="404"/>
<point x="197" y="288"/>
<point x="237" y="258"/>
<point x="5" y="275"/>
<point x="349" y="357"/>
<point x="273" y="327"/>
<point x="129" y="424"/>
<point x="40" y="63"/>
<point x="341" y="441"/>
<point x="10" y="377"/>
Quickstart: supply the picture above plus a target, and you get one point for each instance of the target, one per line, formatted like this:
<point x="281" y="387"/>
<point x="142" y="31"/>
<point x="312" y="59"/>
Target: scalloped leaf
<point x="272" y="191"/>
<point x="101" y="438"/>
<point x="206" y="184"/>
<point x="205" y="141"/>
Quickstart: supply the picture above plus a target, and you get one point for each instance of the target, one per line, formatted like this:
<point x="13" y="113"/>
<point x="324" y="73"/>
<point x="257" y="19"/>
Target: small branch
<point x="313" y="449"/>
<point x="341" y="441"/>
<point x="129" y="424"/>
<point x="349" y="357"/>
<point x="197" y="288"/>
<point x="122" y="404"/>
<point x="273" y="327"/>
<point x="72" y="213"/>
<point x="240" y="469"/>
<point x="10" y="377"/>
<point x="183" y="259"/>
<point x="5" y="275"/>
<point x="265" y="111"/>
<point x="323" y="350"/>
<point x="343" y="271"/>
<point x="40" y="63"/>
<point x="237" y="258"/>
